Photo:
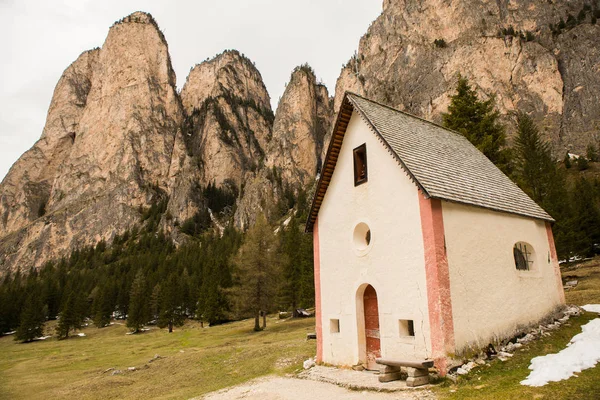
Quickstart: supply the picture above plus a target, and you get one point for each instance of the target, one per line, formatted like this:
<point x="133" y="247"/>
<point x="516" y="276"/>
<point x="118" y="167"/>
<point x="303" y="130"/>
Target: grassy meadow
<point x="196" y="361"/>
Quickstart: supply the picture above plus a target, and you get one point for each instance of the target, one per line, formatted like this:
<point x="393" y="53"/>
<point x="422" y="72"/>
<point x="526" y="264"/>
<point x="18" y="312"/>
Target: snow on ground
<point x="81" y="334"/>
<point x="582" y="352"/>
<point x="592" y="308"/>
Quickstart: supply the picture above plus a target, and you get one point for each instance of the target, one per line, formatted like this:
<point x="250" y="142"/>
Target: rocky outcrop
<point x="105" y="151"/>
<point x="229" y="117"/>
<point x="301" y="124"/>
<point x="25" y="191"/>
<point x="513" y="50"/>
<point x="119" y="138"/>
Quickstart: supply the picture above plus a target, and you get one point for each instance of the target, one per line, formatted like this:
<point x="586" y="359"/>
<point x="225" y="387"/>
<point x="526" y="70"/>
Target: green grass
<point x="196" y="361"/>
<point x="501" y="379"/>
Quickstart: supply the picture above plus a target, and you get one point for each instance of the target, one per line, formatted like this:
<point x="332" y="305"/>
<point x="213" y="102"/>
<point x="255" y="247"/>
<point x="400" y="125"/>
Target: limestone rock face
<point x="302" y="122"/>
<point x="105" y="151"/>
<point x="25" y="190"/>
<point x="549" y="75"/>
<point x="229" y="117"/>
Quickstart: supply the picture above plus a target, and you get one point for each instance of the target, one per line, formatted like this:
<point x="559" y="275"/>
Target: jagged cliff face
<point x="119" y="138"/>
<point x="230" y="117"/>
<point x="26" y="188"/>
<point x="302" y="121"/>
<point x="105" y="151"/>
<point x="552" y="77"/>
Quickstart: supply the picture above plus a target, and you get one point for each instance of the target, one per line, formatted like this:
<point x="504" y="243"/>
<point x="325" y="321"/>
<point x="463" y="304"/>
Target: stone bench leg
<point x="388" y="374"/>
<point x="417" y="377"/>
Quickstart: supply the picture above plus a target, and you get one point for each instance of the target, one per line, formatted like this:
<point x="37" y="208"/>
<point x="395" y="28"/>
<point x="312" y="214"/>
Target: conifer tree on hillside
<point x="587" y="217"/>
<point x="534" y="168"/>
<point x="257" y="273"/>
<point x="171" y="305"/>
<point x="298" y="284"/>
<point x="71" y="316"/>
<point x="33" y="318"/>
<point x="538" y="175"/>
<point x="477" y="120"/>
<point x="102" y="308"/>
<point x="139" y="310"/>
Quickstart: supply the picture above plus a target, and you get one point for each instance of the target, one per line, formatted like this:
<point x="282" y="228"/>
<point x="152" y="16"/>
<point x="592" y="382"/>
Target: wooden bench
<point x="418" y="373"/>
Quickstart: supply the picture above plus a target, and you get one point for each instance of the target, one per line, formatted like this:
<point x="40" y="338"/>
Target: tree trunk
<point x="264" y="315"/>
<point x="170" y="327"/>
<point x="256" y="322"/>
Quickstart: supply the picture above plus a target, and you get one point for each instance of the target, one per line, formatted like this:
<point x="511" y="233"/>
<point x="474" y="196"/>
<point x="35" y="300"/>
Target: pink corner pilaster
<point x="554" y="259"/>
<point x="317" y="262"/>
<point x="438" y="281"/>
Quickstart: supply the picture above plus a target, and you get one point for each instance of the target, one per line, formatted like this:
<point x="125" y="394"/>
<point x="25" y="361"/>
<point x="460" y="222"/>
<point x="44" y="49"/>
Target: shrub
<point x="441" y="43"/>
<point x="567" y="160"/>
<point x="592" y="153"/>
<point x="582" y="163"/>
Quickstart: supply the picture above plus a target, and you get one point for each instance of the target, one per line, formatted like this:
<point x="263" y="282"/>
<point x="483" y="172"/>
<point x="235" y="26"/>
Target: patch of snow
<point x="216" y="222"/>
<point x="287" y="221"/>
<point x="582" y="352"/>
<point x="309" y="363"/>
<point x="10" y="333"/>
<point x="42" y="338"/>
<point x="592" y="308"/>
<point x="81" y="334"/>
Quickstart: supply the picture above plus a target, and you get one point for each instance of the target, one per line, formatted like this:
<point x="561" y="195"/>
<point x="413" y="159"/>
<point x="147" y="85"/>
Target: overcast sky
<point x="39" y="39"/>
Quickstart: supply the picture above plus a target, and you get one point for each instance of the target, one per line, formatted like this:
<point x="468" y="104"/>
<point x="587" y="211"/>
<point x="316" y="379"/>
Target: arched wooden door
<point x="371" y="327"/>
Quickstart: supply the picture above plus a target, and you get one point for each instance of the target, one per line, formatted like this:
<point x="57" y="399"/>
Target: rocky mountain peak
<point x="414" y="51"/>
<point x="302" y="121"/>
<point x="230" y="117"/>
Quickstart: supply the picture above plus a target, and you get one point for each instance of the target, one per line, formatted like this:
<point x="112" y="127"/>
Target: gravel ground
<point x="280" y="388"/>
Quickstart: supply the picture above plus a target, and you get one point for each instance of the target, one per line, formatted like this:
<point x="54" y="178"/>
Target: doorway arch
<point x="368" y="326"/>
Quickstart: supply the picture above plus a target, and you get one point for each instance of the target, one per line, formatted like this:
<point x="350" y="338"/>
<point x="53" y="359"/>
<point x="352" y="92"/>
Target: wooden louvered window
<point x="360" y="165"/>
<point x="523" y="256"/>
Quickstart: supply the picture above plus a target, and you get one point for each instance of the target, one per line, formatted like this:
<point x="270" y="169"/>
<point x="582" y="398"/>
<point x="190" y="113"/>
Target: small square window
<point x="407" y="327"/>
<point x="360" y="164"/>
<point x="334" y="325"/>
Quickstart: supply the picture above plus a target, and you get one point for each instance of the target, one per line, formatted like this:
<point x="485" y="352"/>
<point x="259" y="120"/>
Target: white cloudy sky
<point x="39" y="39"/>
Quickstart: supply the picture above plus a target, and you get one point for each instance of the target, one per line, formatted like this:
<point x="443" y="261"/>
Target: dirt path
<point x="280" y="388"/>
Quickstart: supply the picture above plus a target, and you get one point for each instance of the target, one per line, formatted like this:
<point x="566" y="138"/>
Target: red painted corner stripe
<point x="438" y="281"/>
<point x="554" y="259"/>
<point x="318" y="317"/>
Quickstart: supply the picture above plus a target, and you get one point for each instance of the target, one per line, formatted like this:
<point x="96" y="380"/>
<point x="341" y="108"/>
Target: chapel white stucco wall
<point x="393" y="264"/>
<point x="490" y="297"/>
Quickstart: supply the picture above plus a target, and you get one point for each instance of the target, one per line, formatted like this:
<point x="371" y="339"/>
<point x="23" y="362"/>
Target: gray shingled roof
<point x="444" y="163"/>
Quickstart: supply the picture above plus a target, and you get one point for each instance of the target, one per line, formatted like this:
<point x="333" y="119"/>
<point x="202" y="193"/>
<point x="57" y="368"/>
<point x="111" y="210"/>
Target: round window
<point x="362" y="236"/>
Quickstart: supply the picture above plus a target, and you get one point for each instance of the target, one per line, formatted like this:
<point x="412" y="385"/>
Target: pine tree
<point x="33" y="318"/>
<point x="534" y="168"/>
<point x="71" y="316"/>
<point x="567" y="160"/>
<point x="171" y="307"/>
<point x="538" y="175"/>
<point x="297" y="289"/>
<point x="477" y="120"/>
<point x="592" y="153"/>
<point x="257" y="272"/>
<point x="102" y="308"/>
<point x="139" y="311"/>
<point x="587" y="217"/>
<point x="155" y="301"/>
